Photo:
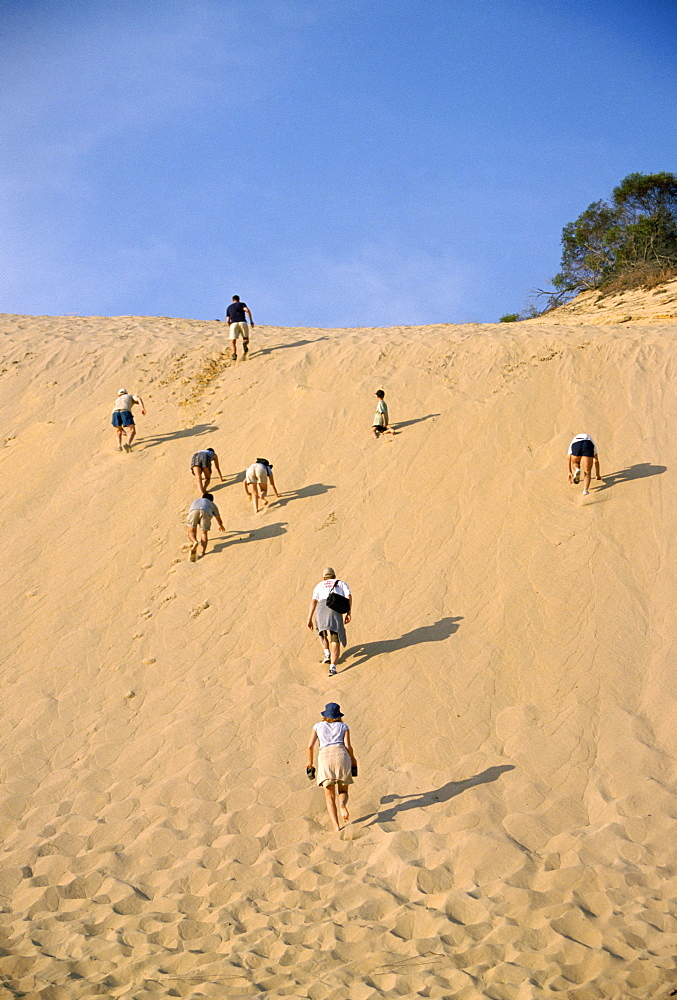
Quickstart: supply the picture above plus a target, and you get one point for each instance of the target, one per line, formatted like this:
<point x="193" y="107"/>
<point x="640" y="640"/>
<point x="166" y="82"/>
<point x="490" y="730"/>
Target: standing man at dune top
<point x="236" y="318"/>
<point x="123" y="418"/>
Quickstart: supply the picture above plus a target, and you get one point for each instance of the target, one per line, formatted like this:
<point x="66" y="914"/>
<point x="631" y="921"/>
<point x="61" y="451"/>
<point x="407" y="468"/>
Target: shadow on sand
<point x="437" y="632"/>
<point x="256" y="535"/>
<point x="408" y="423"/>
<point x="640" y="471"/>
<point x="316" y="490"/>
<point x="230" y="480"/>
<point x="150" y="442"/>
<point x="402" y="803"/>
<point x="281" y="347"/>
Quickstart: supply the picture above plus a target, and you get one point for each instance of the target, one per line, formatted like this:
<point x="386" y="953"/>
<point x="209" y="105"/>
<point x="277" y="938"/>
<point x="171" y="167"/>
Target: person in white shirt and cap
<point x="582" y="453"/>
<point x="123" y="418"/>
<point x="331" y="600"/>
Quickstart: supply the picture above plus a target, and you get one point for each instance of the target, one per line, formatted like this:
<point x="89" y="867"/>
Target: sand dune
<point x="509" y="680"/>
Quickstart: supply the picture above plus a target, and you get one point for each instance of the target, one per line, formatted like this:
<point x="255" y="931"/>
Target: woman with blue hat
<point x="336" y="762"/>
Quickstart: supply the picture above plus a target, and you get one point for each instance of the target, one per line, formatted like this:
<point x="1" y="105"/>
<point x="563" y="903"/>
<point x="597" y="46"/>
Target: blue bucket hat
<point x="332" y="711"/>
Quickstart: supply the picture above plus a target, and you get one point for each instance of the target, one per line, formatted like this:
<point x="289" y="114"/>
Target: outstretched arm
<point x="349" y="615"/>
<point x="597" y="467"/>
<point x="569" y="469"/>
<point x="218" y="469"/>
<point x="141" y="404"/>
<point x="272" y="483"/>
<point x="251" y="321"/>
<point x="311" y="612"/>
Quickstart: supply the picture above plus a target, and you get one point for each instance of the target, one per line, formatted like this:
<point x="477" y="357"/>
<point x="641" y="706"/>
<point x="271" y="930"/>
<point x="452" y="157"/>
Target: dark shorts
<point x="329" y="636"/>
<point x="122" y="418"/>
<point x="583" y="449"/>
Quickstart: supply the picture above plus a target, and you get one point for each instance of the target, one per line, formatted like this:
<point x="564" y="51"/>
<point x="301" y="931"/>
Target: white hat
<point x="122" y="392"/>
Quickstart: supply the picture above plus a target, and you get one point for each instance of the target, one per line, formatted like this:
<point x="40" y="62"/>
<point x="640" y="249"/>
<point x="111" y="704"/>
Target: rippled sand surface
<point x="509" y="679"/>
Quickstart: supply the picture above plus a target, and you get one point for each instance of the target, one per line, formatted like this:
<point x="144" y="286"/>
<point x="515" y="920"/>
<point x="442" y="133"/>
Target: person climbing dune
<point x="336" y="762"/>
<point x="580" y="457"/>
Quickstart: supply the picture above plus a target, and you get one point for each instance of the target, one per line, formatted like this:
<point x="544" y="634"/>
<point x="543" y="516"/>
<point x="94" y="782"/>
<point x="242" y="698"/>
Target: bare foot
<point x="345" y="815"/>
<point x="193" y="553"/>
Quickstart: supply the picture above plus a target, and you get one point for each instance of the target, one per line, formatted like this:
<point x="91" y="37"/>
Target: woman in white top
<point x="336" y="762"/>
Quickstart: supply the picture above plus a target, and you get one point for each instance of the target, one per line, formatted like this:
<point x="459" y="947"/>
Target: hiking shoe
<point x="245" y="347"/>
<point x="577" y="476"/>
<point x="332" y="671"/>
<point x="586" y="493"/>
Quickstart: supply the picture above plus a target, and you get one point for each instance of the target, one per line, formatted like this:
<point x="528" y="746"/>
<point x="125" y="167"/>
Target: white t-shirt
<point x="330" y="733"/>
<point x="582" y="437"/>
<point x="321" y="592"/>
<point x="125" y="402"/>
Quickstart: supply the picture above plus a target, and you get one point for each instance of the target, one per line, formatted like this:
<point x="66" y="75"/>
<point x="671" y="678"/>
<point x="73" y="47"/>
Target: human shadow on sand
<point x="408" y="423"/>
<point x="316" y="490"/>
<point x="402" y="803"/>
<point x="256" y="535"/>
<point x="640" y="471"/>
<point x="281" y="347"/>
<point x="230" y="480"/>
<point x="153" y="439"/>
<point x="437" y="632"/>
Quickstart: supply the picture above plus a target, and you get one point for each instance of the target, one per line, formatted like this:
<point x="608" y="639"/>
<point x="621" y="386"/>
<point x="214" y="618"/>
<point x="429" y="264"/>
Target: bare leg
<point x="207" y="479"/>
<point x="264" y="495"/>
<point x="343" y="803"/>
<point x="132" y="434"/>
<point x="331" y="806"/>
<point x="192" y="538"/>
<point x="586" y="469"/>
<point x="576" y="469"/>
<point x="335" y="653"/>
<point x="255" y="497"/>
<point x="118" y="431"/>
<point x="233" y="349"/>
<point x="325" y="647"/>
<point x="203" y="542"/>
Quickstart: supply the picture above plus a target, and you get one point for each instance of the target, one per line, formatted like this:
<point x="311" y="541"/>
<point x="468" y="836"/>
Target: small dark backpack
<point x="337" y="602"/>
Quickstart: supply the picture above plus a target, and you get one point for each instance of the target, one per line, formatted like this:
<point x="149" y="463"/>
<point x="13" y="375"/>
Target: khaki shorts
<point x="329" y="636"/>
<point x="256" y="473"/>
<point x="239" y="330"/>
<point x="199" y="519"/>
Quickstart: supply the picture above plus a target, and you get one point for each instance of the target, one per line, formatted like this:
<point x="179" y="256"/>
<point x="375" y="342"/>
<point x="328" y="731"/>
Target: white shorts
<point x="236" y="330"/>
<point x="256" y="473"/>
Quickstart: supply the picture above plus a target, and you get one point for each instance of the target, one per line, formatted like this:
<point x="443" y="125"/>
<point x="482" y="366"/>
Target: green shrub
<point x="509" y="318"/>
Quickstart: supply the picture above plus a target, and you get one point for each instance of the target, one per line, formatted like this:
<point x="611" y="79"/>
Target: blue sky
<point x="334" y="162"/>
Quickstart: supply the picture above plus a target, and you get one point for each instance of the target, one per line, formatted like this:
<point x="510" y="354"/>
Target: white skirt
<point x="334" y="766"/>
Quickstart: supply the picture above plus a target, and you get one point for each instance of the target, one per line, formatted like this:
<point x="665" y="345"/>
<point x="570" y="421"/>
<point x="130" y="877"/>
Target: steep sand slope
<point x="509" y="680"/>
